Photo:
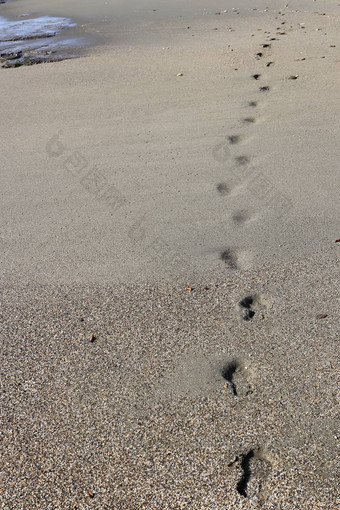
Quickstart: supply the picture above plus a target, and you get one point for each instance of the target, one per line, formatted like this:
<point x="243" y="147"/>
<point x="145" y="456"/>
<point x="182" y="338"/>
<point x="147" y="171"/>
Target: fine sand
<point x="169" y="267"/>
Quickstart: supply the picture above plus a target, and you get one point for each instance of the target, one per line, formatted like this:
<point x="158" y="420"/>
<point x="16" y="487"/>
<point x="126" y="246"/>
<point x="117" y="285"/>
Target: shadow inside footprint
<point x="229" y="258"/>
<point x="245" y="465"/>
<point x="234" y="139"/>
<point x="247" y="304"/>
<point x="252" y="103"/>
<point x="256" y="76"/>
<point x="241" y="217"/>
<point x="249" y="120"/>
<point x="264" y="89"/>
<point x="258" y="463"/>
<point x="242" y="160"/>
<point x="228" y="372"/>
<point x="223" y="188"/>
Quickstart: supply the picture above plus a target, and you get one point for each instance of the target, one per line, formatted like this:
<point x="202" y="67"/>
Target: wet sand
<point x="185" y="152"/>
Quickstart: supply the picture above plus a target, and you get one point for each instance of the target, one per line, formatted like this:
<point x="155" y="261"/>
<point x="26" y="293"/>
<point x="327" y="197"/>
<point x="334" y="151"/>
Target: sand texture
<point x="169" y="286"/>
<point x="184" y="399"/>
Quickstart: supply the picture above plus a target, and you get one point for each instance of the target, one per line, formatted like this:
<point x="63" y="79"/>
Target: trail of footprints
<point x="256" y="464"/>
<point x="231" y="256"/>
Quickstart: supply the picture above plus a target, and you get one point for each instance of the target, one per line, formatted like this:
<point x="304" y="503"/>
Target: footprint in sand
<point x="221" y="152"/>
<point x="242" y="160"/>
<point x="253" y="304"/>
<point x="237" y="373"/>
<point x="261" y="54"/>
<point x="234" y="139"/>
<point x="241" y="217"/>
<point x="229" y="257"/>
<point x="256" y="466"/>
<point x="197" y="374"/>
<point x="236" y="259"/>
<point x="249" y="120"/>
<point x="229" y="189"/>
<point x="223" y="188"/>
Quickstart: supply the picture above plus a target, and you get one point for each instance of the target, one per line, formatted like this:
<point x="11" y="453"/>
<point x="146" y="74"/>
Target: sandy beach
<point x="169" y="242"/>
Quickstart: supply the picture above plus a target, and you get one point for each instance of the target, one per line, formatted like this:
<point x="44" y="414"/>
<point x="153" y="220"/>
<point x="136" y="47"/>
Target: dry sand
<point x="123" y="183"/>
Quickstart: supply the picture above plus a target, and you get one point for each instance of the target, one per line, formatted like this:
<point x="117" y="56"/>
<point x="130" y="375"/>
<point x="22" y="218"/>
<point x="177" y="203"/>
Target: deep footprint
<point x="254" y="304"/>
<point x="247" y="466"/>
<point x="228" y="372"/>
<point x="247" y="304"/>
<point x="236" y="373"/>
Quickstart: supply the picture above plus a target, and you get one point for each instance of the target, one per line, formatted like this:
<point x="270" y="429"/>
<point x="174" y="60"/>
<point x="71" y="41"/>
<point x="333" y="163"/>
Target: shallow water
<point x="31" y="40"/>
<point x="44" y="26"/>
